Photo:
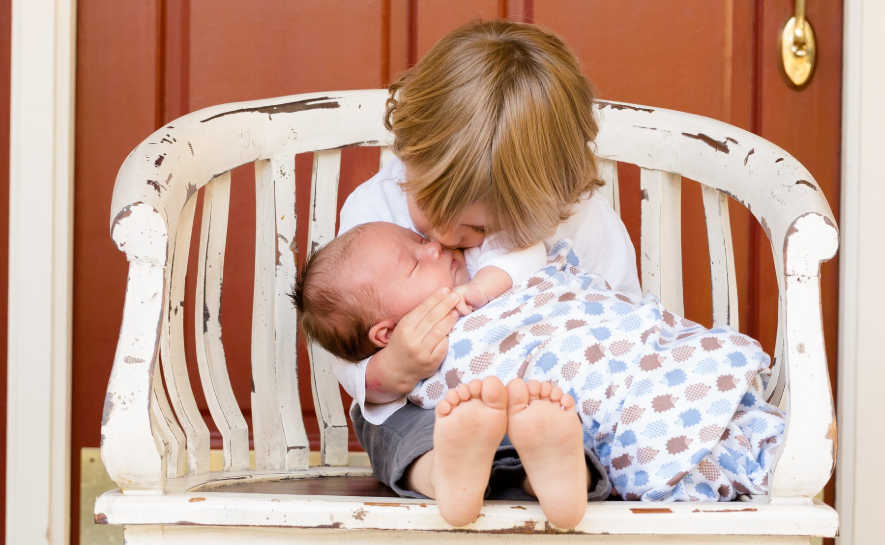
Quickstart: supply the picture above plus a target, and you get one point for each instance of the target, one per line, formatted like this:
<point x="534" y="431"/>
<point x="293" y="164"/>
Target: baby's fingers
<point x="464" y="308"/>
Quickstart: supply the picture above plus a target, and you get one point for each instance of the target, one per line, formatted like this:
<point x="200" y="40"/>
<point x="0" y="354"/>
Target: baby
<point x="673" y="411"/>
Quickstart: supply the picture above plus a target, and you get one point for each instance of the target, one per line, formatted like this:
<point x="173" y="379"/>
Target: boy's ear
<point x="381" y="332"/>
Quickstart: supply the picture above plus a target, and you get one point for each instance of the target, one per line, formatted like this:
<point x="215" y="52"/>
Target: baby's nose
<point x="432" y="249"/>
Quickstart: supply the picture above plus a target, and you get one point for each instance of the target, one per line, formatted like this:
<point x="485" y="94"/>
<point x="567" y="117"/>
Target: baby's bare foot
<point x="470" y="424"/>
<point x="547" y="435"/>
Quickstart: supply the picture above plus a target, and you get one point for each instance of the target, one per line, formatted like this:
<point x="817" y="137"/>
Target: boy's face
<point x="468" y="233"/>
<point x="405" y="268"/>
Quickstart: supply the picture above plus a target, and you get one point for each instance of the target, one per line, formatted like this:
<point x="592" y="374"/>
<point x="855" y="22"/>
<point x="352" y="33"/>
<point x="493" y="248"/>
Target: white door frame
<point x="861" y="289"/>
<point x="41" y="159"/>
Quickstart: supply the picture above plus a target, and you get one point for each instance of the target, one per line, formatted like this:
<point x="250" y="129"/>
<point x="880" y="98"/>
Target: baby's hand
<point x="420" y="341"/>
<point x="472" y="298"/>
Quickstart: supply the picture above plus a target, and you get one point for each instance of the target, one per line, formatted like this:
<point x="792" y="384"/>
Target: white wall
<point x="861" y="456"/>
<point x="40" y="258"/>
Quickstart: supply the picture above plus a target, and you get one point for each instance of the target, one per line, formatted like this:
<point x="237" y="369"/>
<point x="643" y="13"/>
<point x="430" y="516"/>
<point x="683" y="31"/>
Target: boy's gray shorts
<point x="408" y="433"/>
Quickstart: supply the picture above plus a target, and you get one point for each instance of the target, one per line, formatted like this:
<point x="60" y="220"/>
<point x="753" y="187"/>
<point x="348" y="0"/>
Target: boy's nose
<point x="446" y="238"/>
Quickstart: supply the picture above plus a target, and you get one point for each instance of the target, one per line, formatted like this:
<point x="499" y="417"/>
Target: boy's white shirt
<point x="598" y="235"/>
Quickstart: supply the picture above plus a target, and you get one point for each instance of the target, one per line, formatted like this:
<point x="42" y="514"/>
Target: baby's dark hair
<point x="332" y="313"/>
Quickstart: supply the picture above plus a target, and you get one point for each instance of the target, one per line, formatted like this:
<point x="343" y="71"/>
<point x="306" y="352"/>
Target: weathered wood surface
<point x="661" y="244"/>
<point x="167" y="432"/>
<point x="186" y="535"/>
<point x="172" y="352"/>
<point x="722" y="276"/>
<point x="285" y="317"/>
<point x="210" y="351"/>
<point x="324" y="385"/>
<point x="130" y="455"/>
<point x="758" y="517"/>
<point x="152" y="212"/>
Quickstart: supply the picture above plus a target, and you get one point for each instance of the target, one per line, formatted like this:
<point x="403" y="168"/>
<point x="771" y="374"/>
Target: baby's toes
<point x="534" y="390"/>
<point x="443" y="408"/>
<point x="452" y="398"/>
<point x="474" y="387"/>
<point x="567" y="402"/>
<point x="463" y="392"/>
<point x="546" y="388"/>
<point x="556" y="394"/>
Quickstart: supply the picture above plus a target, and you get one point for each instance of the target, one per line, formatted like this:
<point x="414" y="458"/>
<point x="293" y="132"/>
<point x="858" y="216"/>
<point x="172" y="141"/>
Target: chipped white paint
<point x="184" y="535"/>
<point x="151" y="201"/>
<point x="167" y="432"/>
<point x="210" y="352"/>
<point x="324" y="385"/>
<point x="128" y="450"/>
<point x="661" y="246"/>
<point x="282" y="171"/>
<point x="757" y="517"/>
<point x="722" y="275"/>
<point x="172" y="352"/>
<point x="267" y="424"/>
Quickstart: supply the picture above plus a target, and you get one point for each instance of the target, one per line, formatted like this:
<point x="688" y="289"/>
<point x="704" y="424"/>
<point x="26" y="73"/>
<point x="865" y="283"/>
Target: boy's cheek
<point x="472" y="240"/>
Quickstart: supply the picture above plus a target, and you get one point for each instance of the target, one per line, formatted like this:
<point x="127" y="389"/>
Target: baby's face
<point x="405" y="268"/>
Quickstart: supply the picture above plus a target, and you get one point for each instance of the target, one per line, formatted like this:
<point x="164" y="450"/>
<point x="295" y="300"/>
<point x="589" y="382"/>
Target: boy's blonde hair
<point x="499" y="113"/>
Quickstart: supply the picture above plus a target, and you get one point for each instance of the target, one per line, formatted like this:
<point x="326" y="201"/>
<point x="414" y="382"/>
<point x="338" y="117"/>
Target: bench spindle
<point x="661" y="243"/>
<point x="326" y="395"/>
<point x="285" y="315"/>
<point x="207" y="314"/>
<point x="722" y="274"/>
<point x="172" y="354"/>
<point x="280" y="439"/>
<point x="608" y="171"/>
<point x="777" y="384"/>
<point x="166" y="429"/>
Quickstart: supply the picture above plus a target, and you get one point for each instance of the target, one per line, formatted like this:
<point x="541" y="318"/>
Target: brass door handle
<point x="797" y="50"/>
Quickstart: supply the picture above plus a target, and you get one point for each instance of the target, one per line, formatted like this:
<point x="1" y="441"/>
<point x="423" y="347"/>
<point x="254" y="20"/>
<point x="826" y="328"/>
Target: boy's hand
<point x="472" y="298"/>
<point x="419" y="342"/>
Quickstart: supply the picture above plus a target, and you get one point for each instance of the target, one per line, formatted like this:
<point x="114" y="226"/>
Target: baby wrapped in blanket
<point x="674" y="411"/>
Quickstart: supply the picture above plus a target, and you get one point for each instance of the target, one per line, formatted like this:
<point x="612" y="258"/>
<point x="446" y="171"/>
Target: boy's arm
<point x="417" y="347"/>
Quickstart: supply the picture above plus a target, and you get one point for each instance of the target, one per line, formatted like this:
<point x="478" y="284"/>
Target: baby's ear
<point x="381" y="332"/>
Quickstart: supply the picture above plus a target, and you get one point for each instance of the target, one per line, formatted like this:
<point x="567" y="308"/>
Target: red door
<point x="141" y="64"/>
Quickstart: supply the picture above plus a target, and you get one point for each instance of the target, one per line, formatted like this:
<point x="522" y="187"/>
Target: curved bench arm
<point x="134" y="461"/>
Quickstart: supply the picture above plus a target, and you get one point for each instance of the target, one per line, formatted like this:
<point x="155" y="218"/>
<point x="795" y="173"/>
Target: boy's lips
<point x="453" y="264"/>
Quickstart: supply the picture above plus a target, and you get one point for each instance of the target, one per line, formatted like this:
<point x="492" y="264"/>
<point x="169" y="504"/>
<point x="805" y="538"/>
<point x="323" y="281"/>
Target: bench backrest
<point x="148" y="437"/>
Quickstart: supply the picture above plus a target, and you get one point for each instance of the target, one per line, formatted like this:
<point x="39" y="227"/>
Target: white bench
<point x="167" y="493"/>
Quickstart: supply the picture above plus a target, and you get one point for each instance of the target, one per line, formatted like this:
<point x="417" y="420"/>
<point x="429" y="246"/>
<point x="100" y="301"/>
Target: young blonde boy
<point x="492" y="132"/>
